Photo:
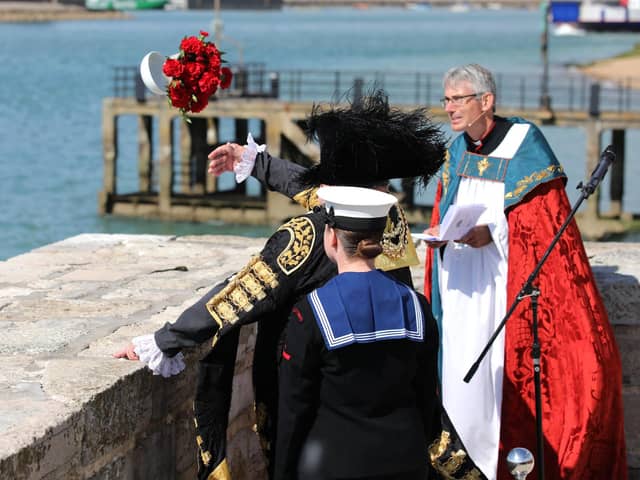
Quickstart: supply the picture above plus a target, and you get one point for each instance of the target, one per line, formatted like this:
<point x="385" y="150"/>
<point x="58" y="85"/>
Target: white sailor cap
<point x="356" y="209"/>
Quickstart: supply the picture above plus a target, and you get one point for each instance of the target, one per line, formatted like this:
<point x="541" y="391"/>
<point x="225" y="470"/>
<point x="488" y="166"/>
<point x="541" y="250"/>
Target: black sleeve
<point x="291" y="264"/>
<point x="299" y="386"/>
<point x="193" y="327"/>
<point x="278" y="174"/>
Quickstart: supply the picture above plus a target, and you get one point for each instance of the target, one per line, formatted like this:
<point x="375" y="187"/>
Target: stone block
<point x="627" y="338"/>
<point x="631" y="399"/>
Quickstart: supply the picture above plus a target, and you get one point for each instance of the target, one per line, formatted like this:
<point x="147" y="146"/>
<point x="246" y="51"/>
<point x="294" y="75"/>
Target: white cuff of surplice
<point x="245" y="166"/>
<point x="147" y="349"/>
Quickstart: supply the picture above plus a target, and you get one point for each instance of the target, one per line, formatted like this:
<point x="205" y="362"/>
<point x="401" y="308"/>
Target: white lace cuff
<point x="244" y="167"/>
<point x="149" y="353"/>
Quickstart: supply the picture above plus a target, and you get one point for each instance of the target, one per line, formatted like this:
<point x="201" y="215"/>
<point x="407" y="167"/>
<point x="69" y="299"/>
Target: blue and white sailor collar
<point x="365" y="307"/>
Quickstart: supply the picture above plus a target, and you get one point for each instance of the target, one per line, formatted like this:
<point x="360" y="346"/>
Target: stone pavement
<point x="68" y="410"/>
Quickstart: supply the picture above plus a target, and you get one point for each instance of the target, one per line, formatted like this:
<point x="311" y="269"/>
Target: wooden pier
<point x="195" y="196"/>
<point x="173" y="183"/>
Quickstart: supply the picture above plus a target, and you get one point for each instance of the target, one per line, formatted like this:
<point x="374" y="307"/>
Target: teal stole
<point x="533" y="164"/>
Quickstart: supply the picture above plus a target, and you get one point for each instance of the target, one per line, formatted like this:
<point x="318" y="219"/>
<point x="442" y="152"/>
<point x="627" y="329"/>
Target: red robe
<point x="581" y="372"/>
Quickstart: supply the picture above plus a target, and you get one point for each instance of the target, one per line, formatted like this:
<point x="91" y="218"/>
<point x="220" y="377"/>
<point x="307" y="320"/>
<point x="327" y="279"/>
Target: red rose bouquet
<point x="196" y="74"/>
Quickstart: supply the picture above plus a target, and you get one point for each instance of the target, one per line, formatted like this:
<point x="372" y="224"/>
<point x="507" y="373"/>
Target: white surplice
<point x="473" y="290"/>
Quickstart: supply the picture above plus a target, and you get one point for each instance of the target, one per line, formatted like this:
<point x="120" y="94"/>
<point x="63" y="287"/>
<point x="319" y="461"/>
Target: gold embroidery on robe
<point x="307" y="198"/>
<point x="438" y="447"/>
<point x="253" y="286"/>
<point x="483" y="165"/>
<point x="451" y="465"/>
<point x="536" y="177"/>
<point x="206" y="456"/>
<point x="445" y="173"/>
<point x="473" y="474"/>
<point x="248" y="286"/>
<point x="398" y="249"/>
<point x="265" y="274"/>
<point x="221" y="472"/>
<point x="302" y="236"/>
<point x="454" y="462"/>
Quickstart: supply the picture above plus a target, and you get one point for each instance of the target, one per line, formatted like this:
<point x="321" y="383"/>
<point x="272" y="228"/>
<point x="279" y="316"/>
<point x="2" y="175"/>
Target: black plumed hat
<point x="368" y="143"/>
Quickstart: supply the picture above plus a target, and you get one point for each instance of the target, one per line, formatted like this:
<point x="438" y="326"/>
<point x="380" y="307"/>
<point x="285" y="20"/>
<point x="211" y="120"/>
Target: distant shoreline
<point x="623" y="69"/>
<point x="35" y="12"/>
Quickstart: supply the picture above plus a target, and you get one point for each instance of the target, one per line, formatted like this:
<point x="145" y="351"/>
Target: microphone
<point x="484" y="112"/>
<point x="606" y="158"/>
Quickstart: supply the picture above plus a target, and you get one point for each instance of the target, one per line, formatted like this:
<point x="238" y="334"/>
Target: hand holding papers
<point x="458" y="220"/>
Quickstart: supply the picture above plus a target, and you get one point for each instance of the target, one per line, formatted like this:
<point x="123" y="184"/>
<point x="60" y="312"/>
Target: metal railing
<point x="569" y="91"/>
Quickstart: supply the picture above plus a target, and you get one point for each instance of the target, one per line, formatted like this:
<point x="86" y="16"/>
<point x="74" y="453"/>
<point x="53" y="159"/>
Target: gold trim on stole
<point x="536" y="177"/>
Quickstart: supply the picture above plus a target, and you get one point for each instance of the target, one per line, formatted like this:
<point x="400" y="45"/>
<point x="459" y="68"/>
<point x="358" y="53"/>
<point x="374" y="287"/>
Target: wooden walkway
<point x="180" y="188"/>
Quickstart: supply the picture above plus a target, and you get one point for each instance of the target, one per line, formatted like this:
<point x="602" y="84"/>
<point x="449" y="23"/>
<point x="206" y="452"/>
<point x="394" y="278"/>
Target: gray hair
<point x="480" y="78"/>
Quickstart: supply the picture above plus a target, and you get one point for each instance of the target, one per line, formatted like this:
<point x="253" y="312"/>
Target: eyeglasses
<point x="457" y="99"/>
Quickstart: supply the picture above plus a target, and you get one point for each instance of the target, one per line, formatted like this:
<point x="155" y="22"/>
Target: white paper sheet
<point x="458" y="220"/>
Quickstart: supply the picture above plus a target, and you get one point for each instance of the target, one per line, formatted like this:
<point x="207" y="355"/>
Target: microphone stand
<point x="528" y="290"/>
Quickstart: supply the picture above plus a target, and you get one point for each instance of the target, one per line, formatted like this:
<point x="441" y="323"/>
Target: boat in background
<point x="125" y="4"/>
<point x="567" y="29"/>
<point x="590" y="16"/>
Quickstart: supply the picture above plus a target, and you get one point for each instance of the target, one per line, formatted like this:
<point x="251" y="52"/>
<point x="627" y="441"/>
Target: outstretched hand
<point x="127" y="352"/>
<point x="224" y="158"/>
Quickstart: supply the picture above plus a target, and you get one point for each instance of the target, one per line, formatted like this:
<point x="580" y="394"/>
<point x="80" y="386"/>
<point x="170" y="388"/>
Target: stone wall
<point x="68" y="410"/>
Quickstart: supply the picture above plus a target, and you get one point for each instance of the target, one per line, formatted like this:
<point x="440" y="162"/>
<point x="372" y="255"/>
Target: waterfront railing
<point x="569" y="91"/>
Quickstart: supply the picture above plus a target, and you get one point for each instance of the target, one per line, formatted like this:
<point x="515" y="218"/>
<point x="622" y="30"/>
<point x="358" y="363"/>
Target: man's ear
<point x="488" y="101"/>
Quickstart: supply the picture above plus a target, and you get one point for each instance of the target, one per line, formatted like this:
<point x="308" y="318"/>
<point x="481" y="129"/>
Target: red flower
<point x="191" y="45"/>
<point x="227" y="75"/>
<point x="179" y="95"/>
<point x="208" y="83"/>
<point x="172" y="68"/>
<point x="211" y="51"/>
<point x="194" y="71"/>
<point x="200" y="103"/>
<point x="196" y="74"/>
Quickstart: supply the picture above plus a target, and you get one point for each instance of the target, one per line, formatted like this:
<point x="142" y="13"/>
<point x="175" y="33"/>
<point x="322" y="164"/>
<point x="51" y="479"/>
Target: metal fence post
<point x="274" y="83"/>
<point x="594" y="100"/>
<point x="140" y="88"/>
<point x="358" y="84"/>
<point x="241" y="80"/>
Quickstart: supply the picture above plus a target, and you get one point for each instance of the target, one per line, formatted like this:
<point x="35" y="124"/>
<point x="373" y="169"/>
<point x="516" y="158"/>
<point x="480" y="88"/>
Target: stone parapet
<point x="68" y="410"/>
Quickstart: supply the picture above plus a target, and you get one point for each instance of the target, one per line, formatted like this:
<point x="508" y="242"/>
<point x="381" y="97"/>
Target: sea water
<point x="55" y="75"/>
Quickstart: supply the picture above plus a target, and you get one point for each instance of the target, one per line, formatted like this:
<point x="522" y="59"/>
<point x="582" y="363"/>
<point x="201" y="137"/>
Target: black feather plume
<point x="367" y="143"/>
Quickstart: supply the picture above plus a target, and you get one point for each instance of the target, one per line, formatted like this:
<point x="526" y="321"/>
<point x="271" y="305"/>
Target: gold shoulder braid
<point x="307" y="198"/>
<point x="248" y="286"/>
<point x="398" y="249"/>
<point x="303" y="235"/>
